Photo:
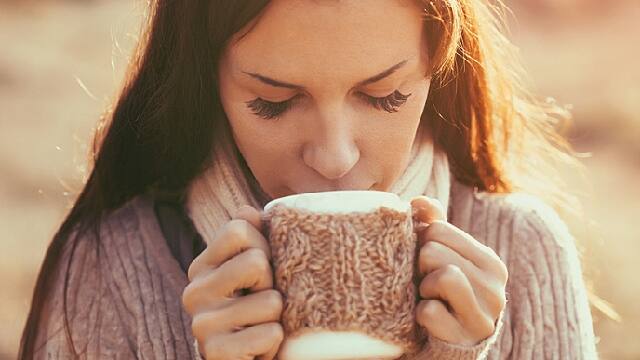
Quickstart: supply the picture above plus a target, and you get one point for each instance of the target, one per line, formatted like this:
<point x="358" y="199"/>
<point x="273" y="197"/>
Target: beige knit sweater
<point x="133" y="308"/>
<point x="124" y="295"/>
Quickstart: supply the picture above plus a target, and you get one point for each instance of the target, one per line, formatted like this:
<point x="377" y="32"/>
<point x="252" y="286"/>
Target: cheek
<point x="393" y="151"/>
<point x="266" y="152"/>
<point x="260" y="148"/>
<point x="390" y="145"/>
<point x="392" y="136"/>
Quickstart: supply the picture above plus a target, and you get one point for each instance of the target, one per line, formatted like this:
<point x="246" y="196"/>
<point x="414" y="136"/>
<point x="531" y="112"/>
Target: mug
<point x="344" y="262"/>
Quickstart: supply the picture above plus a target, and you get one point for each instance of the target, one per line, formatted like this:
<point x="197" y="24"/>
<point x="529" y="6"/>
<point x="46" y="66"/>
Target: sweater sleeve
<point x="123" y="297"/>
<point x="96" y="329"/>
<point x="551" y="317"/>
<point x="547" y="315"/>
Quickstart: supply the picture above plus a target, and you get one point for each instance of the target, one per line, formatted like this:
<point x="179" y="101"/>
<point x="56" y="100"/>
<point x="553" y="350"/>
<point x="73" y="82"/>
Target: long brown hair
<point x="168" y="114"/>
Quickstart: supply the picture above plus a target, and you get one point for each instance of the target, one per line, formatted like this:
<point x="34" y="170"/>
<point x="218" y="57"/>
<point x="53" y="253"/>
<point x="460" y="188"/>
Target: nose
<point x="332" y="152"/>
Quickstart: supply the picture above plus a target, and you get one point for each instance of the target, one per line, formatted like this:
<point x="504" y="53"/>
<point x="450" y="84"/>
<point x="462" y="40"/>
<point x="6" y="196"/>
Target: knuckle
<point x="274" y="300"/>
<point x="197" y="265"/>
<point x="425" y="285"/>
<point x="425" y="254"/>
<point x="453" y="269"/>
<point x="494" y="263"/>
<point x="198" y="326"/>
<point x="487" y="325"/>
<point x="503" y="272"/>
<point x="257" y="261"/>
<point x="275" y="332"/>
<point x="429" y="254"/>
<point x="451" y="275"/>
<point x="502" y="302"/>
<point x="497" y="299"/>
<point x="187" y="298"/>
<point x="191" y="272"/>
<point x="491" y="254"/>
<point x="430" y="309"/>
<point x="497" y="260"/>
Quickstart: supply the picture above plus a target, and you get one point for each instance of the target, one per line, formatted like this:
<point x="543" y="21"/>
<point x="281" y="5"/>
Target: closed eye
<point x="389" y="103"/>
<point x="272" y="110"/>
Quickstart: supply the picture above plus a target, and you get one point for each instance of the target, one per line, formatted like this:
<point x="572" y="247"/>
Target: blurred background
<point x="61" y="63"/>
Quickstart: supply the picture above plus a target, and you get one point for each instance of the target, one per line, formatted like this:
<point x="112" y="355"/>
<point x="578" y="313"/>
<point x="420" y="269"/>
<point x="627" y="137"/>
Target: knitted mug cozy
<point x="346" y="271"/>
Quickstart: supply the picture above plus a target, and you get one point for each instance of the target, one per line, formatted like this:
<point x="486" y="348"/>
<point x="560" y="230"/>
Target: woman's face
<point x="327" y="95"/>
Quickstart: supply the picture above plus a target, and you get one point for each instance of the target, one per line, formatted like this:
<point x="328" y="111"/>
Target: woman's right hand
<point x="226" y="325"/>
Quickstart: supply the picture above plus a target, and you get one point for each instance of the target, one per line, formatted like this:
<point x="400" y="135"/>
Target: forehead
<point x="330" y="39"/>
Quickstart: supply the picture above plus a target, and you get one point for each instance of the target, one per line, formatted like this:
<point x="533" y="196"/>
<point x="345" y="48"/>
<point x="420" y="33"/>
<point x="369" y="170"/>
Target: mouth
<point x="336" y="189"/>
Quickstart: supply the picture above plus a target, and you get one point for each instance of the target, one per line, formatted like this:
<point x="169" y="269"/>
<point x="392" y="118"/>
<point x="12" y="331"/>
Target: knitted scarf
<point x="227" y="183"/>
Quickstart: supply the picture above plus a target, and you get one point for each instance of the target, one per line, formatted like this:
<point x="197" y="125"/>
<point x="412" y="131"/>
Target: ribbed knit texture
<point x="126" y="302"/>
<point x="346" y="272"/>
<point x="124" y="295"/>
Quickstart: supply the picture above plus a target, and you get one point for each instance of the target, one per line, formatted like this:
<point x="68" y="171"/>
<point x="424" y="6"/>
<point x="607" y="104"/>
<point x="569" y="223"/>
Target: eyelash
<point x="272" y="110"/>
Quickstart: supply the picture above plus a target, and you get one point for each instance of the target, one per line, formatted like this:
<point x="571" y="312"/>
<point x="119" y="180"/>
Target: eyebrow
<point x="368" y="81"/>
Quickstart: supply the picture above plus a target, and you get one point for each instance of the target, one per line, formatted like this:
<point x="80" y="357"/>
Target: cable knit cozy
<point x="345" y="272"/>
<point x="124" y="295"/>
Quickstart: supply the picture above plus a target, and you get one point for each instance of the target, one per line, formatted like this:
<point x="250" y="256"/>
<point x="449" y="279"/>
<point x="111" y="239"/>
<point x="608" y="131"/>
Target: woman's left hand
<point x="463" y="291"/>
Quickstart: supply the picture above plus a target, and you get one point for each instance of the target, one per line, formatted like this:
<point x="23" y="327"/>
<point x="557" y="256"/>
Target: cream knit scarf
<point x="228" y="184"/>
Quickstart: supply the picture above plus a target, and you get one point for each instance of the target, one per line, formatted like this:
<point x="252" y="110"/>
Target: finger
<point x="271" y="354"/>
<point x="451" y="284"/>
<point x="234" y="237"/>
<point x="248" y="270"/>
<point x="464" y="244"/>
<point x="247" y="343"/>
<point x="236" y="314"/>
<point x="489" y="291"/>
<point x="433" y="315"/>
<point x="427" y="210"/>
<point x="434" y="255"/>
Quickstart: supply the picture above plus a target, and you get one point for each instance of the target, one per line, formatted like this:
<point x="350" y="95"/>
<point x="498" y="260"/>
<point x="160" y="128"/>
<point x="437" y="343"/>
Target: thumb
<point x="427" y="210"/>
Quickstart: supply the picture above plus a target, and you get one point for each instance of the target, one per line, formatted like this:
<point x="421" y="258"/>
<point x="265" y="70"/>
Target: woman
<point x="231" y="104"/>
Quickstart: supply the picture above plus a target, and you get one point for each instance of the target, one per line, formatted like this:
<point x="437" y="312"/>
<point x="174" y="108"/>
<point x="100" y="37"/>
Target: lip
<point x="334" y="189"/>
